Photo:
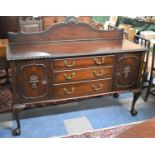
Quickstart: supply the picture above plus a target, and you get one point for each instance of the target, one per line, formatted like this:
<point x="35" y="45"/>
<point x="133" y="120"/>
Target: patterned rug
<point x="103" y="133"/>
<point x="5" y="95"/>
<point x="5" y="100"/>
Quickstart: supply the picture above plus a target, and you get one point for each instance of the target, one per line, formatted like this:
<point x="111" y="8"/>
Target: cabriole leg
<point x="16" y="131"/>
<point x="135" y="98"/>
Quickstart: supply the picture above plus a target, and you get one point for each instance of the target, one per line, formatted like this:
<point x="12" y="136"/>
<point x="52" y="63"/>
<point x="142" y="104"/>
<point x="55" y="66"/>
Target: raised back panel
<point x="67" y="38"/>
<point x="70" y="29"/>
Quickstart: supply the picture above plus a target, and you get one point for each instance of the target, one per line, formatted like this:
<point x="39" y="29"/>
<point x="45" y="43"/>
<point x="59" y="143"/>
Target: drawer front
<point x="82" y="74"/>
<point x="82" y="62"/>
<point x="82" y="89"/>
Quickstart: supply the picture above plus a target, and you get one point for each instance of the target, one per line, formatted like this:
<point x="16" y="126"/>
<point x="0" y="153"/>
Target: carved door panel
<point x="33" y="81"/>
<point x="126" y="72"/>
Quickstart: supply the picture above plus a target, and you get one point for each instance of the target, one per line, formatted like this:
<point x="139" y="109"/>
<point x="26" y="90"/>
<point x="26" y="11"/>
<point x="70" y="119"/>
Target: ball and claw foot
<point x="134" y="112"/>
<point x="116" y="95"/>
<point x="16" y="132"/>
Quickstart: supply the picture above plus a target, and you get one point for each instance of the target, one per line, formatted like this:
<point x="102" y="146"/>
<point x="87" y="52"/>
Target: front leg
<point x="17" y="108"/>
<point x="16" y="131"/>
<point x="135" y="98"/>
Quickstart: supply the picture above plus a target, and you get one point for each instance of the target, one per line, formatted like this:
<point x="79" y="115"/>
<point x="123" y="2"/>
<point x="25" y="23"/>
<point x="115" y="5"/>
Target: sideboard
<point x="72" y="61"/>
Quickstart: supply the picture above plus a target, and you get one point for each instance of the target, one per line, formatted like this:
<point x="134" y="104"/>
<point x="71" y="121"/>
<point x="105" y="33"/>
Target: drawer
<point x="82" y="74"/>
<point x="82" y="88"/>
<point x="70" y="63"/>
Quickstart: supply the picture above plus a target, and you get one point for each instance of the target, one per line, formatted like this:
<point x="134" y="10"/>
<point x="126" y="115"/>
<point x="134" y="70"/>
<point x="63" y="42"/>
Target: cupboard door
<point x="33" y="82"/>
<point x="126" y="71"/>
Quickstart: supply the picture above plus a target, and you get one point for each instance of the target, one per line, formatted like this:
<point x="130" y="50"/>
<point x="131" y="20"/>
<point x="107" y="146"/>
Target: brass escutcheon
<point x="100" y="74"/>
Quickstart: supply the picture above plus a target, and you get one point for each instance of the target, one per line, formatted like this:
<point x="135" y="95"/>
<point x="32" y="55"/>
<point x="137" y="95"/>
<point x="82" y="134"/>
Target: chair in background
<point x="145" y="43"/>
<point x="151" y="84"/>
<point x="111" y="27"/>
<point x="112" y="21"/>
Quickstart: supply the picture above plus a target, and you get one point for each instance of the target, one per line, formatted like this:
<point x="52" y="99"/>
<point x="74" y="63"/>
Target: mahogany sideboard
<point x="71" y="61"/>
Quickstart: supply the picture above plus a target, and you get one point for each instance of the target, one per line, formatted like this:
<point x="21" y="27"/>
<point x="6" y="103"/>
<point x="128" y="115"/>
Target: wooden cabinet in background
<point x="8" y="24"/>
<point x="48" y="21"/>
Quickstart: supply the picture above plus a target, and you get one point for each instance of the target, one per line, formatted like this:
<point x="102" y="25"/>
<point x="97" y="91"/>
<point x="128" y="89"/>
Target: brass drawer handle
<point x="69" y="92"/>
<point x="100" y="74"/>
<point x="69" y="65"/>
<point x="69" y="77"/>
<point x="97" y="88"/>
<point x="99" y="61"/>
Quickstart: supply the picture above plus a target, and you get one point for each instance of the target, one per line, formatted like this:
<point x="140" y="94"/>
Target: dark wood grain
<point x="63" y="31"/>
<point x="33" y="80"/>
<point x="127" y="66"/>
<point x="82" y="88"/>
<point x="82" y="74"/>
<point x="71" y="61"/>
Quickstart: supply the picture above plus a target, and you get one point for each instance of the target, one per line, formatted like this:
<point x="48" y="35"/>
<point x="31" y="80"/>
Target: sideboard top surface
<point x="68" y="39"/>
<point x="38" y="51"/>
